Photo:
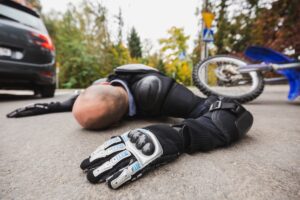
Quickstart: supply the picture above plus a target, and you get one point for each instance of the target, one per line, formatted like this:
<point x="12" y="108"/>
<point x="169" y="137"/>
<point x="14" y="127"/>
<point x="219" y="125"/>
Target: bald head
<point x="100" y="106"/>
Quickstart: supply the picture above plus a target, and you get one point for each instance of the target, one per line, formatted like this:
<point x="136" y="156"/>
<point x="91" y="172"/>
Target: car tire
<point x="47" y="91"/>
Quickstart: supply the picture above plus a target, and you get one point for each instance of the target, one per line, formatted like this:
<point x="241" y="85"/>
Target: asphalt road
<point x="40" y="157"/>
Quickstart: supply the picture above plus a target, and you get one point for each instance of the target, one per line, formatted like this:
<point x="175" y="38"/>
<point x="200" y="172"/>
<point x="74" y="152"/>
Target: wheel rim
<point x="213" y="74"/>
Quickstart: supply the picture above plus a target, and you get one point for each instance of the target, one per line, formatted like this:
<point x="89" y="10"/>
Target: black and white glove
<point x="127" y="157"/>
<point x="43" y="108"/>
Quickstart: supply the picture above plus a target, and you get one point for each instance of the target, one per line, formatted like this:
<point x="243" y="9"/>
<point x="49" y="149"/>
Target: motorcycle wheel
<point x="219" y="75"/>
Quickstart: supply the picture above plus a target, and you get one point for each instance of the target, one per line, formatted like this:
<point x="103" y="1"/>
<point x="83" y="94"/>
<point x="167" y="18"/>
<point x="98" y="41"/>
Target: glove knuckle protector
<point x="142" y="155"/>
<point x="132" y="154"/>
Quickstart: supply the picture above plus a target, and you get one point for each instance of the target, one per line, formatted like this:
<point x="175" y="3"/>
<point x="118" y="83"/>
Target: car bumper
<point x="17" y="75"/>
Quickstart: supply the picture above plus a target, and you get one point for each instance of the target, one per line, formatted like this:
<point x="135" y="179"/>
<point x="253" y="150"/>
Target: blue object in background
<point x="208" y="35"/>
<point x="182" y="55"/>
<point x="266" y="55"/>
<point x="269" y="56"/>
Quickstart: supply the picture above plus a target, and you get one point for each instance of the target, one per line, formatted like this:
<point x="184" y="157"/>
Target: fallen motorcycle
<point x="237" y="79"/>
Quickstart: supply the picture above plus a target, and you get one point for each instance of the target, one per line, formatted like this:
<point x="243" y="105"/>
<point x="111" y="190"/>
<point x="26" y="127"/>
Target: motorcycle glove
<point x="43" y="108"/>
<point x="132" y="154"/>
<point x="125" y="158"/>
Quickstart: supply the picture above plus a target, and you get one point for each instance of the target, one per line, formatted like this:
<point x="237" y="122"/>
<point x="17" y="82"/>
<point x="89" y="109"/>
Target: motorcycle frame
<point x="277" y="62"/>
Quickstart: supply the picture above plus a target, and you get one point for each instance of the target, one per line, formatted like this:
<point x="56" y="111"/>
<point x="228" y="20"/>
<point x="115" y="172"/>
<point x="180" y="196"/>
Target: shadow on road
<point x="20" y="96"/>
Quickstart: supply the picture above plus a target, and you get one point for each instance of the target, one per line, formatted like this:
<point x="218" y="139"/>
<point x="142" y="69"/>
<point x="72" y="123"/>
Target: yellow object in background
<point x="208" y="18"/>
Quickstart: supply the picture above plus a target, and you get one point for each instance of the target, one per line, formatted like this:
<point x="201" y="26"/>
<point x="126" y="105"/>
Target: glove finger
<point x="24" y="112"/>
<point x="108" y="168"/>
<point x="107" y="149"/>
<point x="124" y="175"/>
<point x="19" y="113"/>
<point x="98" y="158"/>
<point x="12" y="114"/>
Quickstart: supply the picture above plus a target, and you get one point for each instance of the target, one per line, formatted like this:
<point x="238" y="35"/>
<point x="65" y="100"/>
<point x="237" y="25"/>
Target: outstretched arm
<point x="44" y="108"/>
<point x="125" y="158"/>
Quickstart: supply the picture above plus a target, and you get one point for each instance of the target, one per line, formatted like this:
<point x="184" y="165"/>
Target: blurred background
<point x="93" y="37"/>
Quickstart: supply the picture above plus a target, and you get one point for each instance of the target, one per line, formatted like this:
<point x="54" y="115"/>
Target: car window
<point x="22" y="17"/>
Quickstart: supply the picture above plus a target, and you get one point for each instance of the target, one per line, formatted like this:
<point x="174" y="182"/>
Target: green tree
<point x="222" y="28"/>
<point x="120" y="21"/>
<point x="279" y="26"/>
<point x="82" y="41"/>
<point x="134" y="44"/>
<point x="196" y="54"/>
<point x="273" y="24"/>
<point x="176" y="43"/>
<point x="119" y="55"/>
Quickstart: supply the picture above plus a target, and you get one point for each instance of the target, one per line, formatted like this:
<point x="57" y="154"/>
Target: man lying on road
<point x="137" y="90"/>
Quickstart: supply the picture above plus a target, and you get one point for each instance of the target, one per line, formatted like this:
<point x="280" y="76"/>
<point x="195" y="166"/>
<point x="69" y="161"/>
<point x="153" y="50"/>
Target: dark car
<point x="27" y="56"/>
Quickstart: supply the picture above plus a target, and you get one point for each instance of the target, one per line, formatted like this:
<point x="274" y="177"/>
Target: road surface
<point x="40" y="157"/>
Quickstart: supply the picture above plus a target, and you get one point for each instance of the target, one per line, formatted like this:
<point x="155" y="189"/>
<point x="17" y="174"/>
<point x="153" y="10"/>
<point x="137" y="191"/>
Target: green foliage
<point x="175" y="43"/>
<point x="134" y="44"/>
<point x="120" y="20"/>
<point x="273" y="24"/>
<point x="119" y="55"/>
<point x="221" y="41"/>
<point x="171" y="48"/>
<point x="196" y="54"/>
<point x="85" y="51"/>
<point x="77" y="54"/>
<point x="279" y="26"/>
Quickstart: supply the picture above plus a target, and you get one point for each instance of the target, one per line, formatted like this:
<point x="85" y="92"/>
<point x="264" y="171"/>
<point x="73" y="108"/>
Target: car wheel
<point x="47" y="91"/>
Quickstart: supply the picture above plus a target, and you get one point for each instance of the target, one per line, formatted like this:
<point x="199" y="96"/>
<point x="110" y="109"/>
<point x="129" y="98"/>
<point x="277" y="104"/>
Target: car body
<point x="27" y="54"/>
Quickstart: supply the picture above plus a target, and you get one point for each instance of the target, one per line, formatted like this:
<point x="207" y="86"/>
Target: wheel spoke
<point x="221" y="76"/>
